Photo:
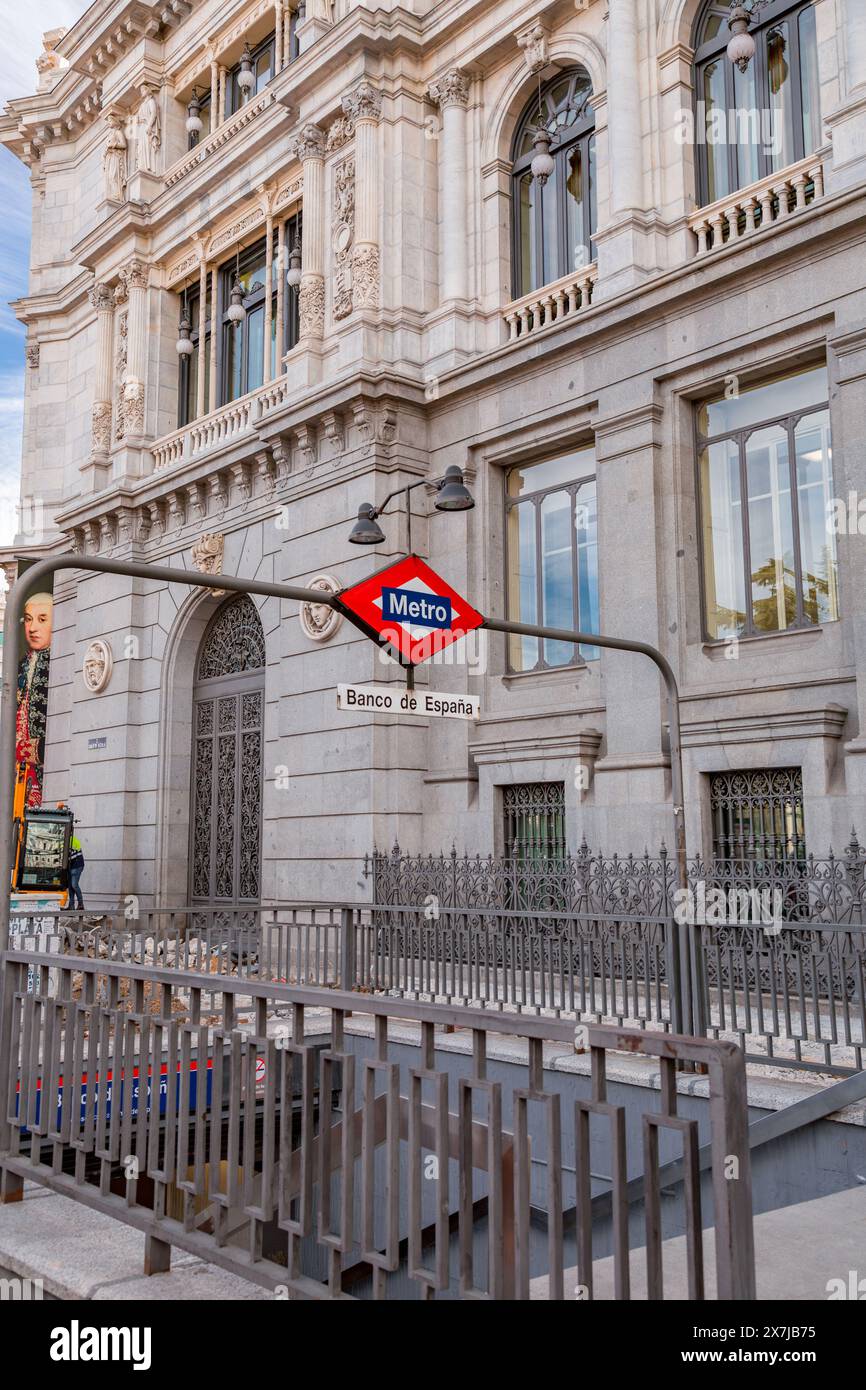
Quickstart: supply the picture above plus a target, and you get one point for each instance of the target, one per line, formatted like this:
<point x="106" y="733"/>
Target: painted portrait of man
<point x="32" y="712"/>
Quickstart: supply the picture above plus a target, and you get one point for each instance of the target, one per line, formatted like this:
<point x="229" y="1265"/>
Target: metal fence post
<point x="348" y="954"/>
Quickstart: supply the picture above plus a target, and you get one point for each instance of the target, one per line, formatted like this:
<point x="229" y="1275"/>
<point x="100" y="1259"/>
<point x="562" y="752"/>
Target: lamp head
<point x="366" y="530"/>
<point x="453" y="495"/>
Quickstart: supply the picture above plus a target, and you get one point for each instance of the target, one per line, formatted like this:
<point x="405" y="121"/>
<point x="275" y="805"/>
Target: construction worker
<point x="76" y="868"/>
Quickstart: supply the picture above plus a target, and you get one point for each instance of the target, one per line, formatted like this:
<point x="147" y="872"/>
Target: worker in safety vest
<point x="76" y="868"/>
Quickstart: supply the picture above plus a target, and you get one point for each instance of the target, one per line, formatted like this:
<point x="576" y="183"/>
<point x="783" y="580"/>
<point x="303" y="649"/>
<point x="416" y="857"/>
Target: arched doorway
<point x="228" y="735"/>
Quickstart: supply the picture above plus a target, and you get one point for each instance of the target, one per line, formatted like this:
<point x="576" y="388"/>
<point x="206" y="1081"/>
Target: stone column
<point x="269" y="296"/>
<point x="278" y="35"/>
<point x="623" y="95"/>
<point x="135" y="276"/>
<point x="221" y="114"/>
<point x="364" y="107"/>
<point x="451" y="94"/>
<point x="202" y="311"/>
<point x="214" y="91"/>
<point x="102" y="299"/>
<point x="310" y="150"/>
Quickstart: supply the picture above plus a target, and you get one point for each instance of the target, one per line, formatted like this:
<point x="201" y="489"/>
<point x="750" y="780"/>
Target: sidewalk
<point x="799" y="1251"/>
<point x="80" y="1254"/>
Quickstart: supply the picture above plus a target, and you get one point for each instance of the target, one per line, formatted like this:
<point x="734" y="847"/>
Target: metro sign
<point x="409" y="608"/>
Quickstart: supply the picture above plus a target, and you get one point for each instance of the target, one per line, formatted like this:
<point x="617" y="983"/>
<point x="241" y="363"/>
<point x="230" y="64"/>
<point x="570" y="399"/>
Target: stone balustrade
<point x="217" y="138"/>
<point x="551" y="304"/>
<point x="210" y="433"/>
<point x="754" y="208"/>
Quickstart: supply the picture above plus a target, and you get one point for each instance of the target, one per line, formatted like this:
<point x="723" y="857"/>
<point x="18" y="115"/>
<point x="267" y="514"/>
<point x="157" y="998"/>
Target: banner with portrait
<point x="34" y="659"/>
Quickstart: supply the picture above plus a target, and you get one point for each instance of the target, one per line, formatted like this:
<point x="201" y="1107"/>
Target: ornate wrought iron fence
<point x="809" y="889"/>
<point x="150" y="1096"/>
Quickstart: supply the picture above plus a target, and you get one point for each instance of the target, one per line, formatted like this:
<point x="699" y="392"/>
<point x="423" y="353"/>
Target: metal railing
<point x="790" y="992"/>
<point x="299" y="1155"/>
<point x="831" y="889"/>
<point x="773" y="951"/>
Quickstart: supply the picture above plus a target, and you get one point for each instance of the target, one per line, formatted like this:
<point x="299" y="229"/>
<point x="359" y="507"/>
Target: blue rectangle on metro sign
<point x="418" y="609"/>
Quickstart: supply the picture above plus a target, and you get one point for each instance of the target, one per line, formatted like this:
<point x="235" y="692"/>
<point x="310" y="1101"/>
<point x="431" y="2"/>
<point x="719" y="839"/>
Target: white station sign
<point x="395" y="699"/>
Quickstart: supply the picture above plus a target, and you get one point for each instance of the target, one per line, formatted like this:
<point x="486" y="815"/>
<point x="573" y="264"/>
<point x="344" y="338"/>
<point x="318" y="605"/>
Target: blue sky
<point x="23" y="27"/>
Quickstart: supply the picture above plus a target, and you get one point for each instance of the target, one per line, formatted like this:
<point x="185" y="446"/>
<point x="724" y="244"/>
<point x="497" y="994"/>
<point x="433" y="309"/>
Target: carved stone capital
<point x="101" y="297"/>
<point x="364" y="103"/>
<point x="309" y="143"/>
<point x="451" y="89"/>
<point x="135" y="275"/>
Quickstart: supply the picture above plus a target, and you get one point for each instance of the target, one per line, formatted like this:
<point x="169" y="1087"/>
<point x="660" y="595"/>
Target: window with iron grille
<point x="758" y="815"/>
<point x="534" y="815"/>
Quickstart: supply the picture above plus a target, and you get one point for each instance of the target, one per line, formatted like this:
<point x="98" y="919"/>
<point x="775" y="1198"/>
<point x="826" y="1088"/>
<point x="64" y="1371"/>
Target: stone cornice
<point x="826" y="721"/>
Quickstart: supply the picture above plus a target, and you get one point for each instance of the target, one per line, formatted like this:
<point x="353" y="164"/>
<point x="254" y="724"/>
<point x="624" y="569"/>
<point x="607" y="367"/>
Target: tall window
<point x="199" y="358"/>
<point x="554" y="224"/>
<point x="751" y="124"/>
<point x="241" y="350"/>
<point x="552" y="556"/>
<point x="263" y="60"/>
<point x="766" y="487"/>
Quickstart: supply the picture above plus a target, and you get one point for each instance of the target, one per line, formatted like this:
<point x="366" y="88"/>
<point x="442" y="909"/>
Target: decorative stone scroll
<point x="534" y="42"/>
<point x="207" y="555"/>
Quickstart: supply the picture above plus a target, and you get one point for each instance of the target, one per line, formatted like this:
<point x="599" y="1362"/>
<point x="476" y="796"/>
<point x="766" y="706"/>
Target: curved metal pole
<point x="14" y="607"/>
<point x="682" y="993"/>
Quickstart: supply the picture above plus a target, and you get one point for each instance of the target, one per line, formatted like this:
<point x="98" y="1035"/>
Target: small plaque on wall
<point x="101" y="742"/>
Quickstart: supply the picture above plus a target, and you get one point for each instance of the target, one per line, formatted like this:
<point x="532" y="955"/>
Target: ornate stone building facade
<point x="570" y="247"/>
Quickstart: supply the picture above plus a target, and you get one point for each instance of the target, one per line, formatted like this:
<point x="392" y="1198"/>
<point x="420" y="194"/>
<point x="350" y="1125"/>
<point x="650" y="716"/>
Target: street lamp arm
<point x="594" y="639"/>
<point x="398" y="492"/>
<point x="14" y="607"/>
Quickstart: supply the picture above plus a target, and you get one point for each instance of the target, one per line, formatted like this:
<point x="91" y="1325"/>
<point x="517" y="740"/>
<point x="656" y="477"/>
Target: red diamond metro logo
<point x="409" y="608"/>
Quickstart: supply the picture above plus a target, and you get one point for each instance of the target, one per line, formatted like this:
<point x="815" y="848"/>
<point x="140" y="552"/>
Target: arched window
<point x="752" y="124"/>
<point x="554" y="224"/>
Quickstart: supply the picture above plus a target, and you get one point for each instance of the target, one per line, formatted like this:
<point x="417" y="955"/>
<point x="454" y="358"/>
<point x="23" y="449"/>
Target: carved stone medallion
<point x="97" y="668"/>
<point x="318" y="621"/>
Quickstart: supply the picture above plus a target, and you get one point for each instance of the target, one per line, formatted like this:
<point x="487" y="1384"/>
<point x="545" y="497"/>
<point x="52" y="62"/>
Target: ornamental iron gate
<point x="228" y="726"/>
